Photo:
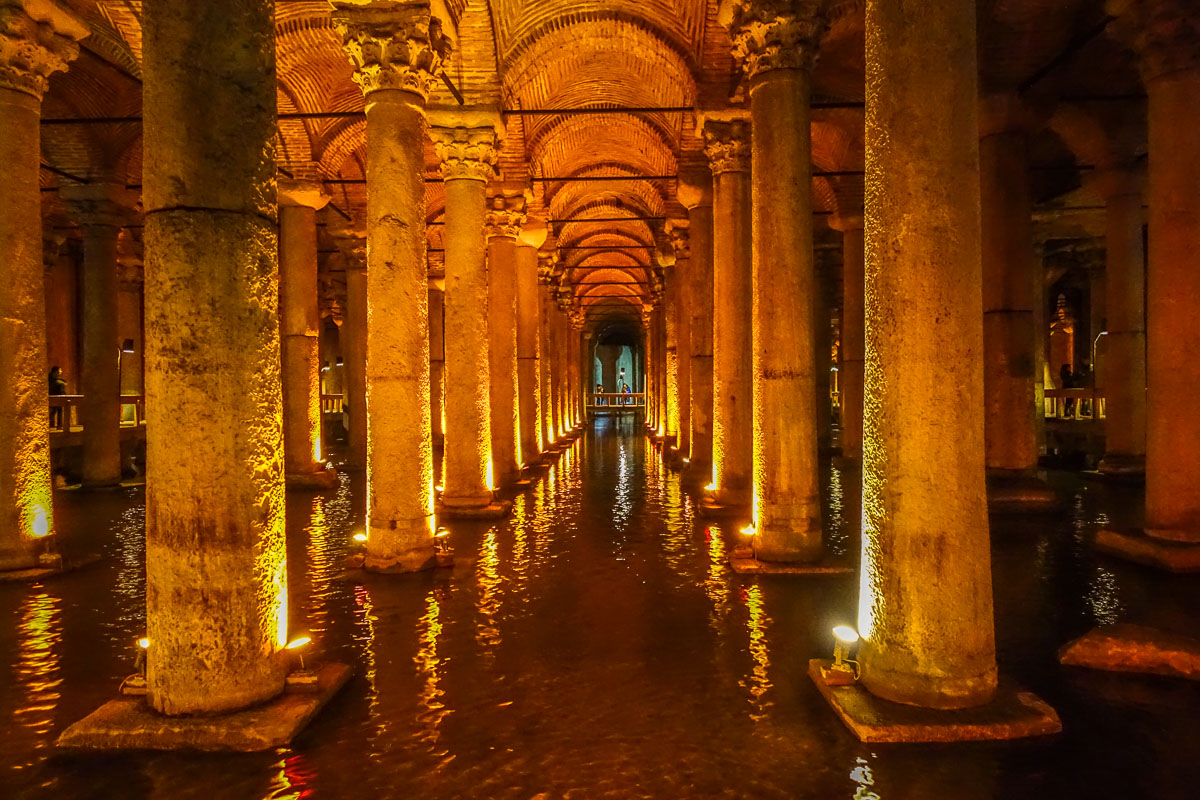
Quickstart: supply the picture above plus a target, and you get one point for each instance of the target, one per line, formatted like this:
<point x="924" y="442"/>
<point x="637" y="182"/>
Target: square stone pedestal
<point x="1149" y="550"/>
<point x="744" y="563"/>
<point x="1135" y="648"/>
<point x="1021" y="495"/>
<point x="130" y="724"/>
<point x="47" y="570"/>
<point x="493" y="510"/>
<point x="316" y="481"/>
<point x="1012" y="714"/>
<point x="711" y="509"/>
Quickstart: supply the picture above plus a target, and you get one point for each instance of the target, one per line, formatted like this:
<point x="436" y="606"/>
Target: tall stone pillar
<point x="926" y="598"/>
<point x="216" y="558"/>
<point x="529" y="343"/>
<point x="1166" y="37"/>
<point x="850" y="367"/>
<point x="727" y="144"/>
<point x="353" y="247"/>
<point x="668" y="317"/>
<point x="695" y="194"/>
<point x="777" y="43"/>
<point x="504" y="219"/>
<point x="62" y="324"/>
<point x="437" y="360"/>
<point x="101" y="209"/>
<point x="1009" y="338"/>
<point x="396" y="52"/>
<point x="824" y="303"/>
<point x="36" y="40"/>
<point x="683" y="335"/>
<point x="468" y="152"/>
<point x="1125" y="345"/>
<point x="549" y="421"/>
<point x="299" y="323"/>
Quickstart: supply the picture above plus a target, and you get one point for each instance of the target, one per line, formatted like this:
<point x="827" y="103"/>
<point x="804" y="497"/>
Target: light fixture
<point x="127" y="346"/>
<point x="360" y="537"/>
<point x="297" y="643"/>
<point x="144" y="643"/>
<point x="843" y="671"/>
<point x="338" y="361"/>
<point x="301" y="680"/>
<point x="135" y="684"/>
<point x="712" y="487"/>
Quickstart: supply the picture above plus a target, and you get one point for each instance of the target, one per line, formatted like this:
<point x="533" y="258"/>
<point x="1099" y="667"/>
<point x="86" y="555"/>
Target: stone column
<point x="353" y="249"/>
<point x="131" y="325"/>
<point x="503" y="223"/>
<point x="546" y="362"/>
<point x="727" y="144"/>
<point x="36" y="40"/>
<point x="926" y="597"/>
<point x="683" y="335"/>
<point x="101" y="209"/>
<point x="396" y="51"/>
<point x="1125" y="345"/>
<point x="437" y="360"/>
<point x="216" y="558"/>
<point x="1009" y="338"/>
<point x="668" y="316"/>
<point x="850" y="368"/>
<point x="648" y="332"/>
<point x="62" y="332"/>
<point x="299" y="201"/>
<point x="529" y="343"/>
<point x="468" y="154"/>
<point x="695" y="194"/>
<point x="777" y="44"/>
<point x="824" y="303"/>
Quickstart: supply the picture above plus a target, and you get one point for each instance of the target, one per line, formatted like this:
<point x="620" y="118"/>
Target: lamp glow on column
<point x="843" y="671"/>
<point x="302" y="679"/>
<point x="135" y="684"/>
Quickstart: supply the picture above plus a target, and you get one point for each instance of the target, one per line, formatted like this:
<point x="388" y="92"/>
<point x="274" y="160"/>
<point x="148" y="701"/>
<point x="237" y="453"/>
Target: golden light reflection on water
<point x="431" y="710"/>
<point x="292" y="777"/>
<point x="521" y="556"/>
<point x="716" y="584"/>
<point x="675" y="541"/>
<point x="487" y="603"/>
<point x="321" y="564"/>
<point x="863" y="780"/>
<point x="758" y="682"/>
<point x="364" y="636"/>
<point x="39" y="635"/>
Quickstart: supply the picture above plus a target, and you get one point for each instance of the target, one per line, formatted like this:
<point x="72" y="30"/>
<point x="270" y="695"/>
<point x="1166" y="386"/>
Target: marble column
<point x="437" y="360"/>
<point x="1009" y="340"/>
<point x="303" y="460"/>
<point x="396" y="52"/>
<point x="925" y="614"/>
<point x="683" y="336"/>
<point x="695" y="194"/>
<point x="36" y="40"/>
<point x="727" y="145"/>
<point x="1124" y="373"/>
<point x="101" y="209"/>
<point x="549" y="414"/>
<point x="668" y="317"/>
<point x="648" y="334"/>
<point x="353" y="248"/>
<point x="216" y="557"/>
<point x="62" y="317"/>
<point x="468" y="154"/>
<point x="503" y="222"/>
<point x="850" y="366"/>
<point x="529" y="343"/>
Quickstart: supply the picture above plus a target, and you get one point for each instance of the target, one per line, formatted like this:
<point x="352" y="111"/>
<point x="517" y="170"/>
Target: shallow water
<point x="595" y="646"/>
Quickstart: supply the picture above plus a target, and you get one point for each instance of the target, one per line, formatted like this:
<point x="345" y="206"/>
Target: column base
<point x="1011" y="714"/>
<point x="847" y="462"/>
<point x="493" y="510"/>
<point x="1134" y="648"/>
<point x="743" y="561"/>
<point x="399" y="565"/>
<point x="1123" y="467"/>
<point x="106" y="485"/>
<point x="1144" y="547"/>
<point x="130" y="723"/>
<point x="715" y="508"/>
<point x="47" y="565"/>
<point x="1009" y="493"/>
<point x="316" y="480"/>
<point x="696" y="473"/>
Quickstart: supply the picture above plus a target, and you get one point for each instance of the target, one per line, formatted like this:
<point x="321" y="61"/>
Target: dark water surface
<point x="595" y="646"/>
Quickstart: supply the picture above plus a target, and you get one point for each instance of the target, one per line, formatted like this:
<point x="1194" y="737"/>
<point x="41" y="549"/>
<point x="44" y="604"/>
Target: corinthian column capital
<point x="504" y="217"/>
<point x="37" y="39"/>
<point x="727" y="145"/>
<point x="775" y="34"/>
<point x="1164" y="33"/>
<point x="466" y="153"/>
<point x="392" y="45"/>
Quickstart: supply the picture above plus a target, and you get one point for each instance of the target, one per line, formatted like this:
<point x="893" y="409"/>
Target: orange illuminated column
<point x="562" y="341"/>
<point x="727" y="144"/>
<point x="466" y="144"/>
<point x="778" y="57"/>
<point x="44" y="36"/>
<point x="549" y="421"/>
<point x="1164" y="34"/>
<point x="651" y="356"/>
<point x="695" y="194"/>
<point x="529" y="342"/>
<point x="683" y="338"/>
<point x="101" y="209"/>
<point x="1009" y="337"/>
<point x="925" y="613"/>
<point x="352" y="245"/>
<point x="62" y="294"/>
<point x="396" y="52"/>
<point x="216" y="560"/>
<point x="505" y="216"/>
<point x="576" y="355"/>
<point x="1125" y="342"/>
<point x="669" y="316"/>
<point x="437" y="357"/>
<point x="299" y="201"/>
<point x="850" y="367"/>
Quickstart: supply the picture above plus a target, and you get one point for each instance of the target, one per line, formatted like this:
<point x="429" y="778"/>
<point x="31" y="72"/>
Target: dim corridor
<point x="594" y="645"/>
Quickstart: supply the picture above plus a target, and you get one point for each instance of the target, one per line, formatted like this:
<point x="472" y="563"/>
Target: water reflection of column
<point x="758" y="680"/>
<point x="39" y="635"/>
<point x="487" y="603"/>
<point x="432" y="708"/>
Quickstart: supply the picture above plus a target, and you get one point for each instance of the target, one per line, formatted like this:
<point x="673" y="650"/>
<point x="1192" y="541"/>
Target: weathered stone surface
<point x="1152" y="551"/>
<point x="130" y="723"/>
<point x="749" y="565"/>
<point x="1010" y="714"/>
<point x="1025" y="494"/>
<point x="1135" y="648"/>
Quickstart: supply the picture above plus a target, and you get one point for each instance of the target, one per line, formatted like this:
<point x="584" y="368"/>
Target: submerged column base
<point x="320" y="478"/>
<point x="1015" y="492"/>
<point x="1117" y="465"/>
<point x="1174" y="551"/>
<point x="464" y="509"/>
<point x="1011" y="714"/>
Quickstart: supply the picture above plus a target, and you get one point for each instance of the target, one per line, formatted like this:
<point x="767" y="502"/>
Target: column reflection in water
<point x="758" y="681"/>
<point x="1102" y="595"/>
<point x="488" y="599"/>
<point x="675" y="541"/>
<point x="39" y="637"/>
<point x="431" y="710"/>
<point x="364" y="641"/>
<point x="292" y="777"/>
<point x="521" y="556"/>
<point x="863" y="779"/>
<point x="716" y="584"/>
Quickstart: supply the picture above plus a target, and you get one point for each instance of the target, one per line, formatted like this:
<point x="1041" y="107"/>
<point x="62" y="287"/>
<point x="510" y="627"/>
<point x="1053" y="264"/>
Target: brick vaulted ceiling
<point x="526" y="55"/>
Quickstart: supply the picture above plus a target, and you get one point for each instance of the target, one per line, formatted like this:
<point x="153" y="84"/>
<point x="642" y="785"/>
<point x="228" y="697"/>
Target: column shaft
<point x="850" y="370"/>
<point x="100" y="384"/>
<point x="502" y="356"/>
<point x="700" y="291"/>
<point x="354" y="329"/>
<point x="437" y="364"/>
<point x="299" y="326"/>
<point x="669" y="316"/>
<point x="529" y="385"/>
<point x="926" y="598"/>
<point x="683" y="355"/>
<point x="549" y="421"/>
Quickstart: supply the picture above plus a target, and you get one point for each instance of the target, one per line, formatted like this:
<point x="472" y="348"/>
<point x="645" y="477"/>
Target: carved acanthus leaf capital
<point x="37" y="39"/>
<point x="504" y="217"/>
<point x="466" y="153"/>
<point x="1164" y="33"/>
<point x="775" y="34"/>
<point x="727" y="145"/>
<point x="400" y="46"/>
